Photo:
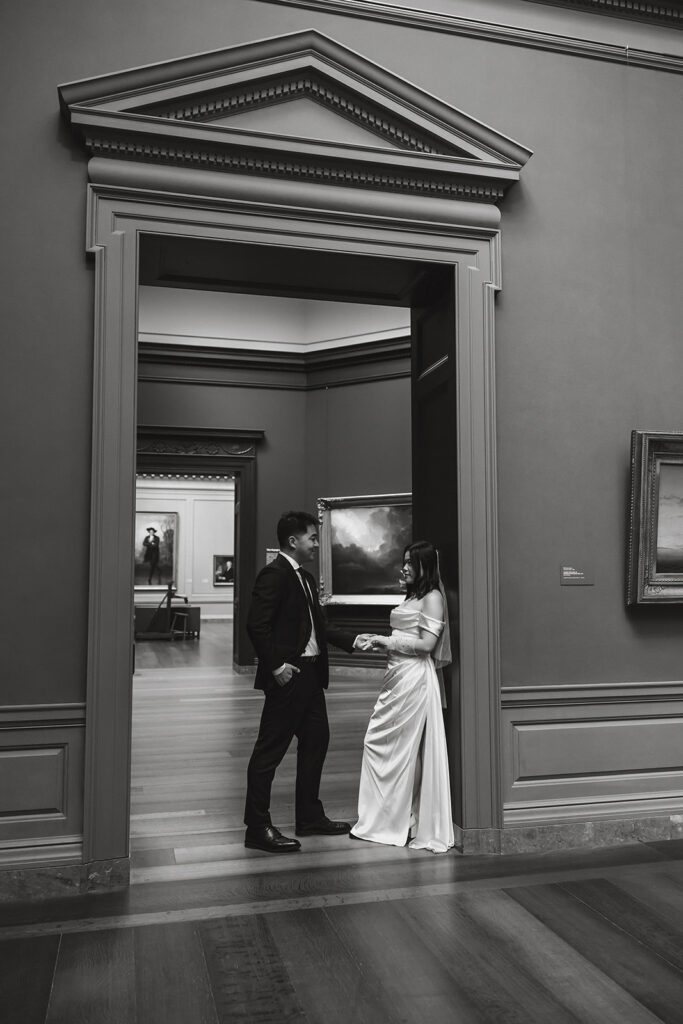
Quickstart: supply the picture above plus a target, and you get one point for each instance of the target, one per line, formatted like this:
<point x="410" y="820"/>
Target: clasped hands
<point x="371" y="642"/>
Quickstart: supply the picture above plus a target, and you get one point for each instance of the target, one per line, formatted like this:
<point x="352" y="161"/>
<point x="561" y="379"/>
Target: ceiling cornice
<point x="194" y="356"/>
<point x="178" y="113"/>
<point x="505" y="34"/>
<point x="660" y="13"/>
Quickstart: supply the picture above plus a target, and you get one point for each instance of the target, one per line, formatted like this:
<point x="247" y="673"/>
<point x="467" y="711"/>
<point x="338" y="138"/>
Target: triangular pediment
<point x="299" y="105"/>
<point x="304" y="118"/>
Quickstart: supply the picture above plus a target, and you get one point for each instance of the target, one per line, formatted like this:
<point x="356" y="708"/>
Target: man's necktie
<point x="307" y="591"/>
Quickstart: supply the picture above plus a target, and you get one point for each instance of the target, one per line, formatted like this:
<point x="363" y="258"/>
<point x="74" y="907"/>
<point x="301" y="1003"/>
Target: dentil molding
<point x="660" y="13"/>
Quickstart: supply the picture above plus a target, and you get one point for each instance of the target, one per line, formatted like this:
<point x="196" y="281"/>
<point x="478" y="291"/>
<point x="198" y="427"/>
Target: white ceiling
<point x="228" y="320"/>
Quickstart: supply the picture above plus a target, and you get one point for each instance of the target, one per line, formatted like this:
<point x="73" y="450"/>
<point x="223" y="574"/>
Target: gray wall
<point x="359" y="440"/>
<point x="588" y="324"/>
<point x="345" y="440"/>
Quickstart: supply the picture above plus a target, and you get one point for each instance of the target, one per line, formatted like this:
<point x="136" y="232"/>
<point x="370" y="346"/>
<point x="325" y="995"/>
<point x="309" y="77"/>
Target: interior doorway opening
<point x="317" y="352"/>
<point x="184" y="554"/>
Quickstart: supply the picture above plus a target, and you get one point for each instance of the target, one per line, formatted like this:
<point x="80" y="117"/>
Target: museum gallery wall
<point x="587" y="350"/>
<point x="194" y="522"/>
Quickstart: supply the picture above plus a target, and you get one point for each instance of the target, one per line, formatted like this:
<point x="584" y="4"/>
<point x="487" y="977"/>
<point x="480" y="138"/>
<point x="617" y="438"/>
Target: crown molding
<point x="510" y="35"/>
<point x="670" y="14"/>
<point x="284" y="362"/>
<point x="277" y="370"/>
<point x="168" y="114"/>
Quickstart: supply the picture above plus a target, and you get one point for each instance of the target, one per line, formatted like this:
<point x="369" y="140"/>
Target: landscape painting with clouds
<point x="670" y="519"/>
<point x="367" y="548"/>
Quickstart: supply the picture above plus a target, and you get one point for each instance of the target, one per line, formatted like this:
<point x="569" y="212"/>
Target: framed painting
<point x="223" y="570"/>
<point x="155" y="549"/>
<point x="362" y="540"/>
<point x="655" y="554"/>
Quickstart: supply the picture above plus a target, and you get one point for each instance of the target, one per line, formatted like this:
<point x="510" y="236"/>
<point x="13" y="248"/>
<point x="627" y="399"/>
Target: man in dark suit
<point x="290" y="634"/>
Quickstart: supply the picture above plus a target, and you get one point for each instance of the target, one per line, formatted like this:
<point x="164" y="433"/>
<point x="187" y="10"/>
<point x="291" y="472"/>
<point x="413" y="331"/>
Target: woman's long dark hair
<point x="424" y="561"/>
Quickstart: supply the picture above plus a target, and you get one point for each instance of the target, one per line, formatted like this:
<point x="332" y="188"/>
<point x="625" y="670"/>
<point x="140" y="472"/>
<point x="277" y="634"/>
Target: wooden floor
<point x="194" y="725"/>
<point x="343" y="931"/>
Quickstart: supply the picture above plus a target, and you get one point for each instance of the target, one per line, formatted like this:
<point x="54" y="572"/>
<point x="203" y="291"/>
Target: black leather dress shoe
<point x="324" y="827"/>
<point x="270" y="839"/>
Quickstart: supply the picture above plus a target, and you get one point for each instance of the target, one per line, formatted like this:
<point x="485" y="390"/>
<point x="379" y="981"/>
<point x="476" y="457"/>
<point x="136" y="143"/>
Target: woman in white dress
<point x="404" y="787"/>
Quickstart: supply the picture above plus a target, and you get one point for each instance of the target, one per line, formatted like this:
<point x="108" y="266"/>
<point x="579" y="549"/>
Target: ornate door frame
<point x="434" y="220"/>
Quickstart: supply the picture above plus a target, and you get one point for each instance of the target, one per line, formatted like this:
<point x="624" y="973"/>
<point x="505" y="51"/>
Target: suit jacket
<point x="279" y="624"/>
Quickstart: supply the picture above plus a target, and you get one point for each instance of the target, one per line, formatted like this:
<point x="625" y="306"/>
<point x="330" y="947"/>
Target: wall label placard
<point x="571" y="576"/>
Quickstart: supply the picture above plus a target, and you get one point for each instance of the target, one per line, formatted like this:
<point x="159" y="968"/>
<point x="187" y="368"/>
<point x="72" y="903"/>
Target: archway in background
<point x="180" y="449"/>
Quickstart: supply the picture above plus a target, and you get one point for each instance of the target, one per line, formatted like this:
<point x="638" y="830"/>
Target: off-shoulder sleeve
<point x="434" y="626"/>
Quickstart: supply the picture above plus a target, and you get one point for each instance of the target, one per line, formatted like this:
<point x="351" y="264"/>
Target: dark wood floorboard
<point x="94" y="979"/>
<point x="171" y="979"/>
<point x="603" y="949"/>
<point x="659" y="890"/>
<point x="250" y="981"/>
<point x="27" y="968"/>
<point x="650" y="980"/>
<point x="377" y="874"/>
<point x="487" y="970"/>
<point x="194" y="725"/>
<point x="632" y="916"/>
<point x="414" y="985"/>
<point x="540" y="954"/>
<point x="332" y="986"/>
<point x="212" y="933"/>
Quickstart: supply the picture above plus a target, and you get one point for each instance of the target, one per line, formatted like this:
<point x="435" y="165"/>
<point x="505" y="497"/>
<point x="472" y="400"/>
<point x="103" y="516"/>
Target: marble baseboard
<point x="569" y="835"/>
<point x="50" y="881"/>
<point x="477" y="841"/>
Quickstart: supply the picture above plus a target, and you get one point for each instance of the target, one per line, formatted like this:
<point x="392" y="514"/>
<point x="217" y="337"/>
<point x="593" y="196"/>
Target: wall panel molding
<point x="46" y="713"/>
<point x="41" y="782"/>
<point x="507" y="34"/>
<point x="594" y="693"/>
<point x="577" y="753"/>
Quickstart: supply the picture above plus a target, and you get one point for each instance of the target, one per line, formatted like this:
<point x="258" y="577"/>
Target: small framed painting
<point x="655" y="552"/>
<point x="223" y="570"/>
<point x="362" y="540"/>
<point x="155" y="549"/>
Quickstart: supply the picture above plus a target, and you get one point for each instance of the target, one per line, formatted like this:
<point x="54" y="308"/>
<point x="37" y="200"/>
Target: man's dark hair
<point x="293" y="524"/>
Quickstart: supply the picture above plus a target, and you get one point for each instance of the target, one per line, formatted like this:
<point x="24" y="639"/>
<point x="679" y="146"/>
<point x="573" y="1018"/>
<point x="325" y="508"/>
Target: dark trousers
<point x="297" y="709"/>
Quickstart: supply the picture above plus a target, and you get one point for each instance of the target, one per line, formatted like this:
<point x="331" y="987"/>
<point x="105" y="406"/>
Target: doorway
<point x="417" y="188"/>
<point x="403" y="262"/>
<point x="327" y="430"/>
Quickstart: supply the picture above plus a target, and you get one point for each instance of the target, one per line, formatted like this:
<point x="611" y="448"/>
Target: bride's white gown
<point x="404" y="786"/>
